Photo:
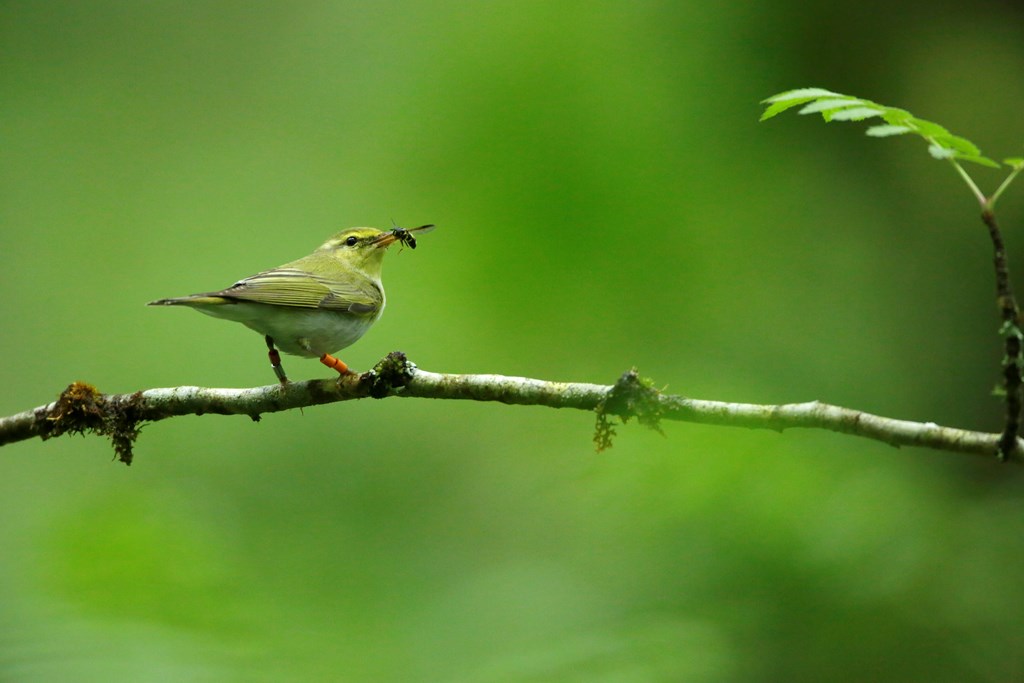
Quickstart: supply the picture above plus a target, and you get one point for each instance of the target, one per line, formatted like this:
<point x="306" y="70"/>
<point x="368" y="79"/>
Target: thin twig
<point x="81" y="408"/>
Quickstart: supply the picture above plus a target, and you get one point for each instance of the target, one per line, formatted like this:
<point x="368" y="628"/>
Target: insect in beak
<point x="403" y="235"/>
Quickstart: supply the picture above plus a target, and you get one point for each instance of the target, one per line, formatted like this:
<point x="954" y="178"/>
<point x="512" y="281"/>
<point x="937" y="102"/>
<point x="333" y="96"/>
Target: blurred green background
<point x="606" y="198"/>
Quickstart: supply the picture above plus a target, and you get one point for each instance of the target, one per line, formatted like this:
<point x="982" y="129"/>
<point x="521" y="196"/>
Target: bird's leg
<point x="335" y="364"/>
<point x="275" y="361"/>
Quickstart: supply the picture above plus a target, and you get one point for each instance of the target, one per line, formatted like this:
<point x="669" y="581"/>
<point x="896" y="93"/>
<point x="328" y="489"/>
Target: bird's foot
<point x="336" y="364"/>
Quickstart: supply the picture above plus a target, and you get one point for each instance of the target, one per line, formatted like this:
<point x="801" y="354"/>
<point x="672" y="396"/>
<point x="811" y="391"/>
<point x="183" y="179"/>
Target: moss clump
<point x="82" y="409"/>
<point x="632" y="396"/>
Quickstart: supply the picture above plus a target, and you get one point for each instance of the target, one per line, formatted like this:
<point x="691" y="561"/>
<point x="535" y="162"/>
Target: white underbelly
<point x="309" y="332"/>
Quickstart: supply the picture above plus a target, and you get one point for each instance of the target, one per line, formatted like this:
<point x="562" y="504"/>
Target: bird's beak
<point x="385" y="240"/>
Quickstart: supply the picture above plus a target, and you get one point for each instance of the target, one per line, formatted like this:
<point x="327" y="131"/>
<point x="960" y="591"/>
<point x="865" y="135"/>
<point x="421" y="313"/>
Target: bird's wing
<point x="294" y="287"/>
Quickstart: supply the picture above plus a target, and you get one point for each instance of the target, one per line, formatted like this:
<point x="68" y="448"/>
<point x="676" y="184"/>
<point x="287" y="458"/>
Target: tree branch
<point x="81" y="408"/>
<point x="1012" y="336"/>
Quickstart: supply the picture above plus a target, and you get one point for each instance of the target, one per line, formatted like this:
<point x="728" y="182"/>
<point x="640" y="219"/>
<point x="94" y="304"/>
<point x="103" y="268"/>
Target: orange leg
<point x="275" y="361"/>
<point x="335" y="364"/>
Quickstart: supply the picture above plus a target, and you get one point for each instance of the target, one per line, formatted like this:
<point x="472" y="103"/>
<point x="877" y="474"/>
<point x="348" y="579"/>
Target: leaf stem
<point x="1003" y="186"/>
<point x="978" y="194"/>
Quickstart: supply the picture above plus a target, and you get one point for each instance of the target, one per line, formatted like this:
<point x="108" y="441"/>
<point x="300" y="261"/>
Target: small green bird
<point x="313" y="306"/>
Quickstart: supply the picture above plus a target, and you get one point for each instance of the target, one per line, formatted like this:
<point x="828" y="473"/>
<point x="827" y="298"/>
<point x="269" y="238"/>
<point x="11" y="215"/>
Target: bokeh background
<point x="606" y="199"/>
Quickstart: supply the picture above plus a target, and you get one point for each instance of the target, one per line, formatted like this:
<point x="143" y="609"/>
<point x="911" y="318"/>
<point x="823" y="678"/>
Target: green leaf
<point x="1014" y="162"/>
<point x="897" y="117"/>
<point x="959" y="145"/>
<point x="888" y="130"/>
<point x="978" y="159"/>
<point x="927" y="128"/>
<point x="940" y="152"/>
<point x="853" y="114"/>
<point x="831" y="103"/>
<point x="792" y="98"/>
<point x="804" y="94"/>
<point x="779" y="107"/>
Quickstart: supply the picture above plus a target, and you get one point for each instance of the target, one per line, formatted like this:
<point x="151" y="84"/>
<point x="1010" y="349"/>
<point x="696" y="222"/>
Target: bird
<point x="314" y="306"/>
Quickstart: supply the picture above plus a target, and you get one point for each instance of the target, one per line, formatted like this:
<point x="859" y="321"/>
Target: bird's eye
<point x="351" y="241"/>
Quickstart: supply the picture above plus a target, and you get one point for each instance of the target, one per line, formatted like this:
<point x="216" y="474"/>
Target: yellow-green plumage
<point x="312" y="306"/>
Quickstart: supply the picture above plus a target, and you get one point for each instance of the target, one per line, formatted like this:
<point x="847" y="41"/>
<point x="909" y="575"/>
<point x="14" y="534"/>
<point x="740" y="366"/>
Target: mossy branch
<point x="81" y="408"/>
